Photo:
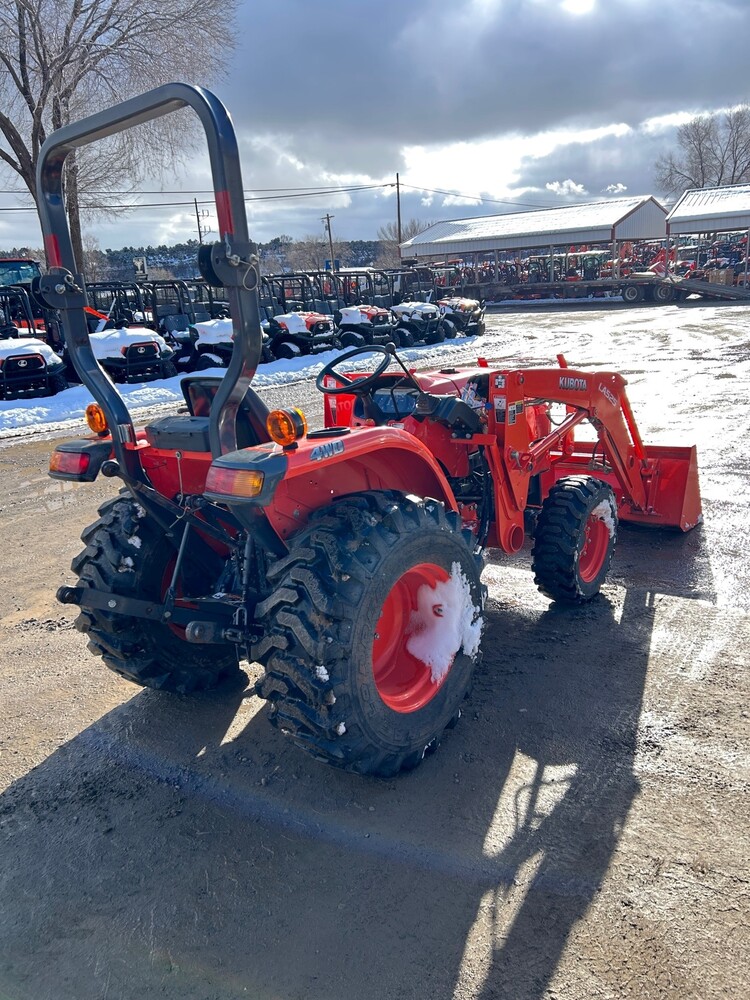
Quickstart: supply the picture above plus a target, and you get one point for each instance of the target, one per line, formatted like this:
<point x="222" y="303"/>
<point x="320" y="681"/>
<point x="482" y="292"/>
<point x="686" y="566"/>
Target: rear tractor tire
<point x="127" y="554"/>
<point x="206" y="361"/>
<point x="574" y="539"/>
<point x="372" y="632"/>
<point x="286" y="351"/>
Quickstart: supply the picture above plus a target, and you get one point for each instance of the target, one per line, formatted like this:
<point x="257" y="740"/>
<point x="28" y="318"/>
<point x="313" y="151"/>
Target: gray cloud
<point x="409" y="72"/>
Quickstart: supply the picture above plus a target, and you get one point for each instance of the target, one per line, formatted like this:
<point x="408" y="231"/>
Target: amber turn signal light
<point x="234" y="482"/>
<point x="286" y="426"/>
<point x="95" y="419"/>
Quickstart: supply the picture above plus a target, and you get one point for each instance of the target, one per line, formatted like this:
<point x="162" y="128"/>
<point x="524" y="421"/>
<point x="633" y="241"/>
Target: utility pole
<point x="327" y="219"/>
<point x="201" y="214"/>
<point x="398" y="211"/>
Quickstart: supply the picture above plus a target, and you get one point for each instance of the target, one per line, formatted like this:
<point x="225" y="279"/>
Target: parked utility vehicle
<point x="133" y="354"/>
<point x="213" y="344"/>
<point x="29" y="366"/>
<point x="464" y="316"/>
<point x="345" y="560"/>
<point x="422" y="321"/>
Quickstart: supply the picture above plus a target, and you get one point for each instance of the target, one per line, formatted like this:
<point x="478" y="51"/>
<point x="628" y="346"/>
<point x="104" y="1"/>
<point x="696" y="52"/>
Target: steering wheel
<point x="354" y="385"/>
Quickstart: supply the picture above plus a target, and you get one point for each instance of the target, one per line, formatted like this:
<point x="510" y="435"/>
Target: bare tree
<point x="389" y="255"/>
<point x="61" y="60"/>
<point x="94" y="263"/>
<point x="711" y="150"/>
<point x="311" y="252"/>
<point x="307" y="254"/>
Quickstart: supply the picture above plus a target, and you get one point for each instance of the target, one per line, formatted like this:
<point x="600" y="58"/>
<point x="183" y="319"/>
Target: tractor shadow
<point x="182" y="848"/>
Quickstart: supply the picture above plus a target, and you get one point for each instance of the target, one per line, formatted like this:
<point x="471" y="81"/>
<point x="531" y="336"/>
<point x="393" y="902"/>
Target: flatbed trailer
<point x="634" y="289"/>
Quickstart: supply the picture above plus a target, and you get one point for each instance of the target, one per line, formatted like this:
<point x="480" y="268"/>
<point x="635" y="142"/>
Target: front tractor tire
<point x="574" y="539"/>
<point x="372" y="632"/>
<point x="126" y="554"/>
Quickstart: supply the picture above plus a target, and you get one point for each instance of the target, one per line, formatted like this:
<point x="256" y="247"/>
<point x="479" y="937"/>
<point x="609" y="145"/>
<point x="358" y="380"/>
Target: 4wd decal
<point x="576" y="384"/>
<point x="608" y="394"/>
<point x="327" y="450"/>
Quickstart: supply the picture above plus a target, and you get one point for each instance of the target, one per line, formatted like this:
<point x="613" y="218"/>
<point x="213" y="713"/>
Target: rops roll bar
<point x="233" y="260"/>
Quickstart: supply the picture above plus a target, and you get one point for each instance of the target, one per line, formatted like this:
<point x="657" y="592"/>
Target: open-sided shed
<point x="610" y="222"/>
<point x="711" y="210"/>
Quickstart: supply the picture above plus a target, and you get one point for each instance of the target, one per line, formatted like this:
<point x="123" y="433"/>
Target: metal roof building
<point x="618" y="219"/>
<point x="711" y="210"/>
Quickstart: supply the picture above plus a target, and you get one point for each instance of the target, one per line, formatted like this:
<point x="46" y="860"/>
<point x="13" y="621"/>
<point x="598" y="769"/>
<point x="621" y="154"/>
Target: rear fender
<point x="324" y="468"/>
<point x="300" y="480"/>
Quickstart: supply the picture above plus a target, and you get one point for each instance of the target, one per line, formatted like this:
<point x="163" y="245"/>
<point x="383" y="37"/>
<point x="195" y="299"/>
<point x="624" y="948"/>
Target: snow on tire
<point x="372" y="632"/>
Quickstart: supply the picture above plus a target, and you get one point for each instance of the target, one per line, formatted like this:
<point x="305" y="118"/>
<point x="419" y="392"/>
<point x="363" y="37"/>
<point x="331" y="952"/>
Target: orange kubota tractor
<point x="345" y="560"/>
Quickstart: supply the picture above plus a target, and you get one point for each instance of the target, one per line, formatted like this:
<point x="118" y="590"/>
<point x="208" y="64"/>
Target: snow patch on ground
<point x="446" y="619"/>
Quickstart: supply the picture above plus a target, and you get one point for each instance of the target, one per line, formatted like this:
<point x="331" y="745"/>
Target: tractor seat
<point x="182" y="432"/>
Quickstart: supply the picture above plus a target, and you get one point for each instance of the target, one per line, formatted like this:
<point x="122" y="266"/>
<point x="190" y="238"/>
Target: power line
<point x="312" y="187"/>
<point x="299" y="193"/>
<point x="293" y="194"/>
<point x="474" y="197"/>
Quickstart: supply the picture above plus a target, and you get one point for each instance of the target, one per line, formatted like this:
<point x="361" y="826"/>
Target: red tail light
<point x="69" y="462"/>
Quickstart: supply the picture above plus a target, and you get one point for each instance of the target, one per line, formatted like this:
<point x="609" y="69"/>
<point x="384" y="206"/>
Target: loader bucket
<point x="673" y="496"/>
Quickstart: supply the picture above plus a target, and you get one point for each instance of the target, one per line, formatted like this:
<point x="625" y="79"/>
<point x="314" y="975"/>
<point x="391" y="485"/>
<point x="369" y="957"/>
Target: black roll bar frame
<point x="234" y="260"/>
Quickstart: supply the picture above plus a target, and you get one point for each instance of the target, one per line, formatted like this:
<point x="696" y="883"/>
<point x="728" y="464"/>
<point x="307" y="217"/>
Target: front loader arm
<point x="657" y="484"/>
<point x="599" y="397"/>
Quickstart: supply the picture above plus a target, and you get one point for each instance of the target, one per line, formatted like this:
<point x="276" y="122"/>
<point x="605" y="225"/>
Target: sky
<point x="481" y="106"/>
